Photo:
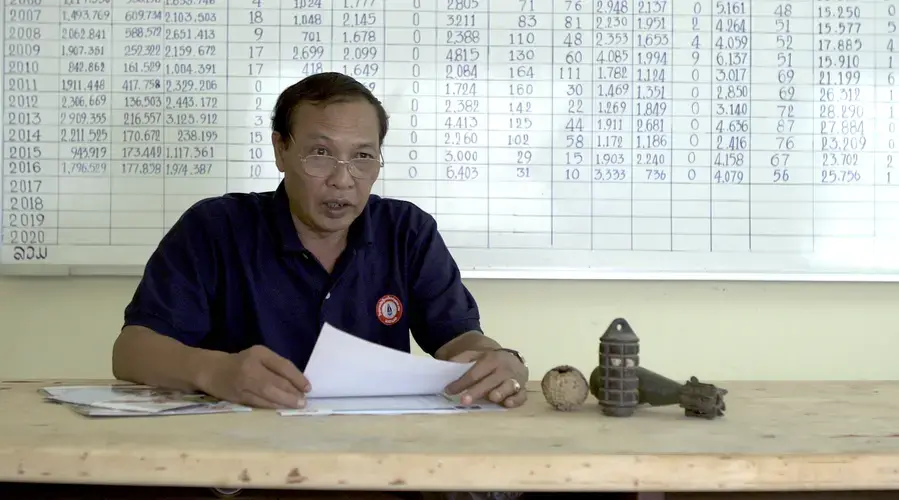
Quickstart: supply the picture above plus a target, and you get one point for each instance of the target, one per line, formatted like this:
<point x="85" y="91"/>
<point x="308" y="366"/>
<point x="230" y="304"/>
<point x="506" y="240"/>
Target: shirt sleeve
<point x="174" y="294"/>
<point x="442" y="307"/>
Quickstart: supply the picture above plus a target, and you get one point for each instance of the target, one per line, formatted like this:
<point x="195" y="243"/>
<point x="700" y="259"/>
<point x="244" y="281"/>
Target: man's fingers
<point x="474" y="374"/>
<point x="250" y="399"/>
<point x="516" y="400"/>
<point x="284" y="368"/>
<point x="466" y="357"/>
<point x="273" y="388"/>
<point x="281" y="383"/>
<point x="510" y="394"/>
<point x="506" y="389"/>
<point x="482" y="389"/>
<point x="281" y="398"/>
<point x="266" y="387"/>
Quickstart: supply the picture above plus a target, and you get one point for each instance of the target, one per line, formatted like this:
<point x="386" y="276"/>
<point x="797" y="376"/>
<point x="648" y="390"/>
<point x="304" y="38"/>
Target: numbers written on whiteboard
<point x="117" y="116"/>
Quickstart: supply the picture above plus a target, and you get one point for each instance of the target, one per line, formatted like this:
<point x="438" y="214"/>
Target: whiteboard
<point x="550" y="139"/>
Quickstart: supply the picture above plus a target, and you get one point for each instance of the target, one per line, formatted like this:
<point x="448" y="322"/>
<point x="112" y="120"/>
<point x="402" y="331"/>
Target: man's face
<point x="328" y="202"/>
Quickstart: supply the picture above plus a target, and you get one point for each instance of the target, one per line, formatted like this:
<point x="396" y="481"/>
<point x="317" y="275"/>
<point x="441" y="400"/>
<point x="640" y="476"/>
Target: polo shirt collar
<point x="361" y="231"/>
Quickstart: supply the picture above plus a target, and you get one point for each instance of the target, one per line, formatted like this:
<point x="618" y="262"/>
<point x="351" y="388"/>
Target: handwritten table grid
<point x="712" y="126"/>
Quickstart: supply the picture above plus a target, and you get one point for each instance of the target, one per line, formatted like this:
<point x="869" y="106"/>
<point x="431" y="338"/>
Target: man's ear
<point x="278" y="146"/>
<point x="277" y="142"/>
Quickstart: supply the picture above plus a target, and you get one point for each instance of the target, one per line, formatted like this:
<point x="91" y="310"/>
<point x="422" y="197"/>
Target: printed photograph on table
<point x="135" y="400"/>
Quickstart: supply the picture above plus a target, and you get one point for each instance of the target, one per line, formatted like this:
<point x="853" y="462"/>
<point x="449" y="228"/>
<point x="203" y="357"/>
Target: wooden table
<point x="791" y="436"/>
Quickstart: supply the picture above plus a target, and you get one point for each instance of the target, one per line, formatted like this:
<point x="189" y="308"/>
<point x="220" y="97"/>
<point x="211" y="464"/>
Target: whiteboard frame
<point x="586" y="274"/>
<point x="486" y="273"/>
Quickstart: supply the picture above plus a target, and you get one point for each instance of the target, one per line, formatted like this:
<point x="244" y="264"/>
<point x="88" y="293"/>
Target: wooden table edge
<point x="468" y="472"/>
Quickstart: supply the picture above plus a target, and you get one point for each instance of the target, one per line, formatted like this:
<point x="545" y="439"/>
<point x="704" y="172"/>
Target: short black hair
<point x="323" y="88"/>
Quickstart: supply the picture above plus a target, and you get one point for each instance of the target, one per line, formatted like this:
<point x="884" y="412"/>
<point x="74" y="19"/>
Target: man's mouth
<point x="337" y="204"/>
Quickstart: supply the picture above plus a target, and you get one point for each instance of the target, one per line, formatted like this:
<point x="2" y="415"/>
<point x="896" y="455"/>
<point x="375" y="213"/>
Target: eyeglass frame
<point x="349" y="163"/>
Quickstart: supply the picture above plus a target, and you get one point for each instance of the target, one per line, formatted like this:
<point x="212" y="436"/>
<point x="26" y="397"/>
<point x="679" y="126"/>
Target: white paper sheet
<point x="345" y="366"/>
<point x="387" y="405"/>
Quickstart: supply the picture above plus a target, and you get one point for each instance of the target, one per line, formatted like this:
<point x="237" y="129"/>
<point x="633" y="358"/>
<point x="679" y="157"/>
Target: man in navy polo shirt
<point x="232" y="300"/>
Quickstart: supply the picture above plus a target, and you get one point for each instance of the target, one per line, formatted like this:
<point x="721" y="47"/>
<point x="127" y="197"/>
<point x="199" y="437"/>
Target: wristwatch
<point x="514" y="353"/>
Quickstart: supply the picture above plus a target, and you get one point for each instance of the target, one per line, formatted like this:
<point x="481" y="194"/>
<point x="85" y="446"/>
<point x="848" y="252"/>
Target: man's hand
<point x="496" y="375"/>
<point x="257" y="377"/>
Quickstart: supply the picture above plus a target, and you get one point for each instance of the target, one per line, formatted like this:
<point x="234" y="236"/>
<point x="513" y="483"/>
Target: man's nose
<point x="341" y="177"/>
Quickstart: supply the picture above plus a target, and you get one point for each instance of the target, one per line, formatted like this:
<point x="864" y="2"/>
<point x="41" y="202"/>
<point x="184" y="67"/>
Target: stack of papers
<point x="387" y="405"/>
<point x="135" y="400"/>
<point x="350" y="375"/>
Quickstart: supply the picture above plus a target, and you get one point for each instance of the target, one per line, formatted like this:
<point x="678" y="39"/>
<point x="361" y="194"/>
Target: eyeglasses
<point x="324" y="165"/>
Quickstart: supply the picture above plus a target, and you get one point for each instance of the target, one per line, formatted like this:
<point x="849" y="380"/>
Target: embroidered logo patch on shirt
<point x="389" y="309"/>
